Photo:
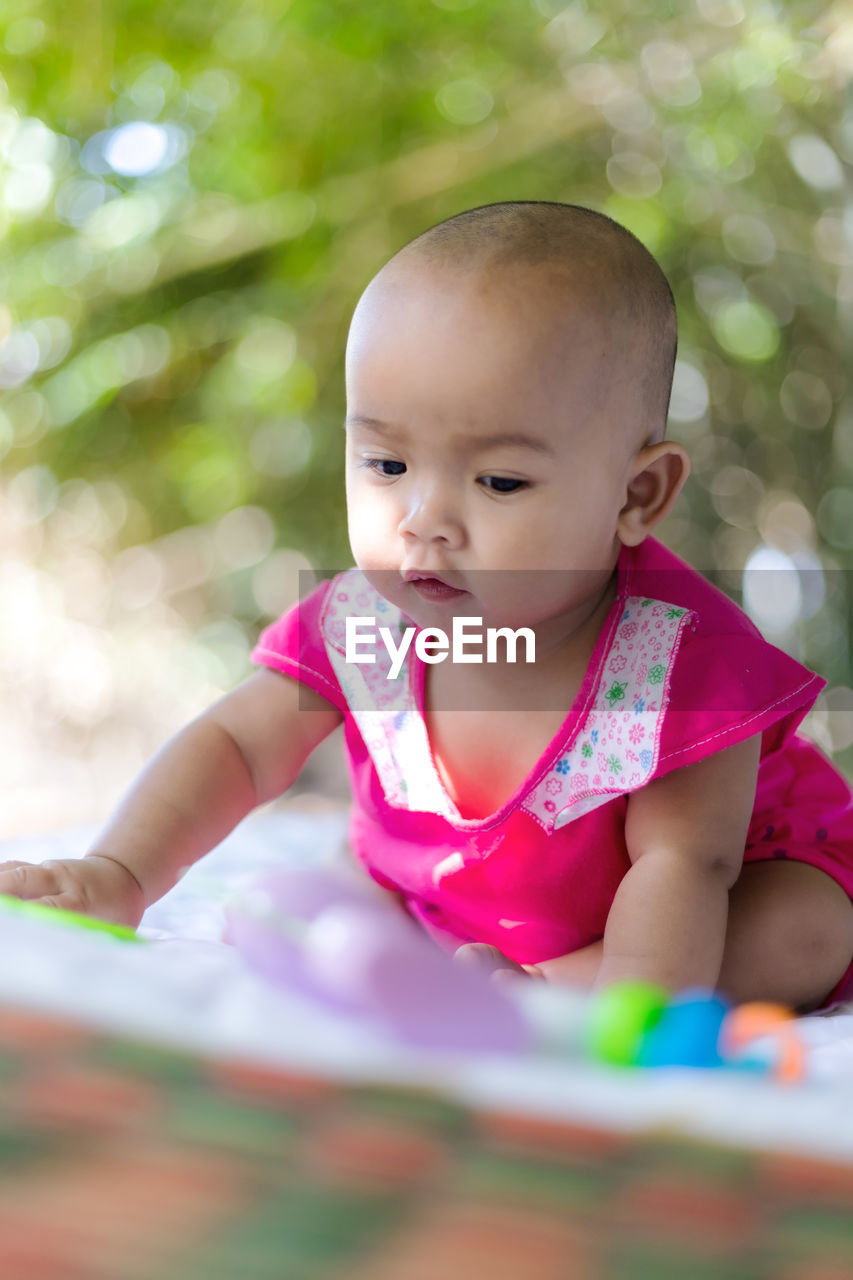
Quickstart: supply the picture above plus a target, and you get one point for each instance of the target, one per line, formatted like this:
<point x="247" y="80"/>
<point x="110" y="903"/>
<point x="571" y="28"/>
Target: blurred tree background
<point x="192" y="196"/>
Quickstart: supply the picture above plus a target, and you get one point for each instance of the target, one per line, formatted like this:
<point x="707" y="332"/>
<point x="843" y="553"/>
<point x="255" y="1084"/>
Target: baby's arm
<point x="685" y="833"/>
<point x="246" y="749"/>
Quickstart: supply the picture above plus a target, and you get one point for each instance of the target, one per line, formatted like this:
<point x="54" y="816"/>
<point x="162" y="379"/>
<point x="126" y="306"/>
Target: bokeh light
<point x="136" y="148"/>
<point x="772" y="593"/>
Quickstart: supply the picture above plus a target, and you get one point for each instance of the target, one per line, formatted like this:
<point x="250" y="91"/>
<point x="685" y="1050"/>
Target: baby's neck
<point x="573" y="635"/>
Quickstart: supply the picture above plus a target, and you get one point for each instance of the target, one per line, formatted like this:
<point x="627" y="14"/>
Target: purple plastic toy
<point x="323" y="936"/>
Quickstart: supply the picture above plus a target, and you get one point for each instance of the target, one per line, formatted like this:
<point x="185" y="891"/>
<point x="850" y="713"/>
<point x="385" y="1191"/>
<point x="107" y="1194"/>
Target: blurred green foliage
<point x="194" y="194"/>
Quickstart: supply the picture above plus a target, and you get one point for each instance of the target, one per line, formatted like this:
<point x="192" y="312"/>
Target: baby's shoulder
<point x="656" y="572"/>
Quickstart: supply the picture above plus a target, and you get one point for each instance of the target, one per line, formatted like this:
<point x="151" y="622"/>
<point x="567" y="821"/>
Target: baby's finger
<point x="485" y="957"/>
<point x="520" y="974"/>
<point x="26" y="880"/>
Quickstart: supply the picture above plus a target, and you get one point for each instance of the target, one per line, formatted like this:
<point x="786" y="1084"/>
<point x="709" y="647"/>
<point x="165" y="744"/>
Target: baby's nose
<point x="432" y="516"/>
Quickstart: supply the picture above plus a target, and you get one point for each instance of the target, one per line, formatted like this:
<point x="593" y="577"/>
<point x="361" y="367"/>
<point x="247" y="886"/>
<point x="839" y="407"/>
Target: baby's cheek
<point x="369" y="547"/>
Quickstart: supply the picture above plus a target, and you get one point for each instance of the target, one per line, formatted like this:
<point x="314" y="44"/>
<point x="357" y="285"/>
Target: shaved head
<point x="583" y="258"/>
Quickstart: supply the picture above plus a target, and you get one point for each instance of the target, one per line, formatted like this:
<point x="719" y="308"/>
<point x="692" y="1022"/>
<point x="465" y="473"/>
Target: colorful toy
<point x="638" y="1024"/>
<point x="58" y="915"/>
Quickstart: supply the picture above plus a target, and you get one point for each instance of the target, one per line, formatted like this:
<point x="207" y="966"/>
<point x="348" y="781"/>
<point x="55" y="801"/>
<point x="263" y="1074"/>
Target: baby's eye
<point x="385" y="466"/>
<point x="502" y="484"/>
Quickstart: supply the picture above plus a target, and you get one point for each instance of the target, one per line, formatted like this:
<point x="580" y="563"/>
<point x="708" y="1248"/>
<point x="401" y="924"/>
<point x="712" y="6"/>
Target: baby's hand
<point x="94" y="886"/>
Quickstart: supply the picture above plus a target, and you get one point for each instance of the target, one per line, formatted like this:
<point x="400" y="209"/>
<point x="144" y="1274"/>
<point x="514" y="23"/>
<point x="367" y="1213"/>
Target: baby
<point x="635" y="802"/>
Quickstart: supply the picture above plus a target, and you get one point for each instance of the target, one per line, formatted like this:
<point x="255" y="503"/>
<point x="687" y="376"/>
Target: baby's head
<point x="508" y="378"/>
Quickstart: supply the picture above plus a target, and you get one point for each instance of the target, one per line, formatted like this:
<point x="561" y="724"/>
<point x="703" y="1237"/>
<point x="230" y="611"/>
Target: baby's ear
<point x="657" y="473"/>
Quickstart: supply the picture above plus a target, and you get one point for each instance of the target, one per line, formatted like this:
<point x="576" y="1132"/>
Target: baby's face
<point x="478" y="450"/>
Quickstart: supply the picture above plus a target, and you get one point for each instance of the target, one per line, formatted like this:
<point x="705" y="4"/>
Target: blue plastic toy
<point x="687" y="1032"/>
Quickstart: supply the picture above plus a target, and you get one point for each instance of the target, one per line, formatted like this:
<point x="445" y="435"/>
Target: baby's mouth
<point x="431" y="588"/>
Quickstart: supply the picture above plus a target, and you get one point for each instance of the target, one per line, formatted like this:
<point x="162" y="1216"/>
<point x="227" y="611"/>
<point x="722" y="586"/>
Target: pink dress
<point x="678" y="672"/>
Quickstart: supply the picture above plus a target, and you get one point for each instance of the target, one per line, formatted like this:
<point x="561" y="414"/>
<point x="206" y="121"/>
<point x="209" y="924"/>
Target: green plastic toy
<point x="619" y="1018"/>
<point x="58" y="915"/>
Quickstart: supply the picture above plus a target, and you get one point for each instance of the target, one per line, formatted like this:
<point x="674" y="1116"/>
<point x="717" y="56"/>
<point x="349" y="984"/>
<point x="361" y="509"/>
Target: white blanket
<point x="188" y="989"/>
